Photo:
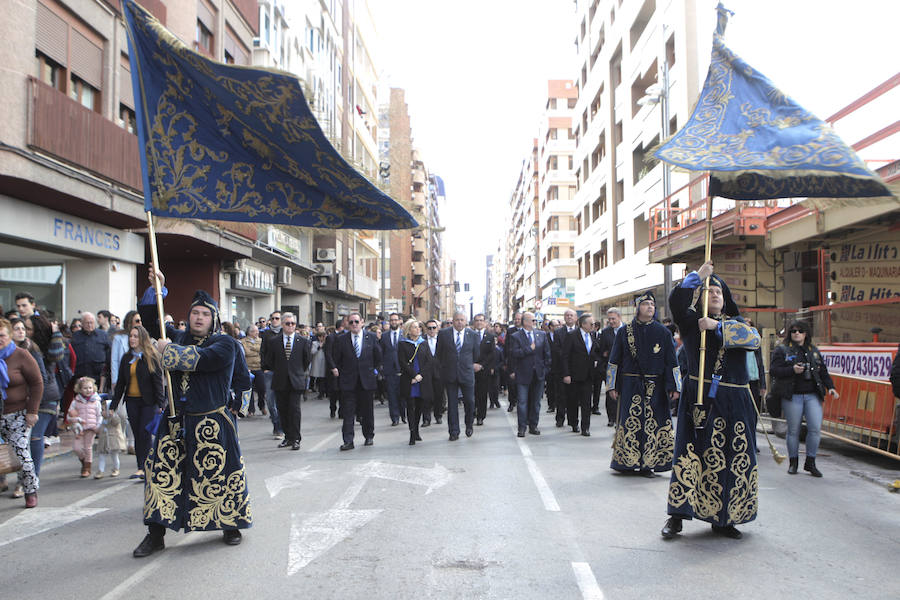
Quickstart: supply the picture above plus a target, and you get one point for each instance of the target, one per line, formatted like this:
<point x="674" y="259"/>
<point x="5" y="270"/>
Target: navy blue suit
<point x="458" y="375"/>
<point x="391" y="372"/>
<point x="531" y="368"/>
<point x="356" y="380"/>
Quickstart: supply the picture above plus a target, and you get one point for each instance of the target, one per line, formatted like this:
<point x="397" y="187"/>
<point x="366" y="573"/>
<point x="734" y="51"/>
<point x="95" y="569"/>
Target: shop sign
<point x="254" y="280"/>
<point x="284" y="242"/>
<point x="37" y="224"/>
<point x="858" y="362"/>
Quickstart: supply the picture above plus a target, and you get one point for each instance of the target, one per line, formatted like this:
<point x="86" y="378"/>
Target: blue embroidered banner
<point x="238" y="143"/>
<point x="757" y="143"/>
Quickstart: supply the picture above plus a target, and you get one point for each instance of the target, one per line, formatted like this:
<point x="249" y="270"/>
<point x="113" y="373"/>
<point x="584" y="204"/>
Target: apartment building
<point x="522" y="273"/>
<point x="638" y="75"/>
<point x="70" y="180"/>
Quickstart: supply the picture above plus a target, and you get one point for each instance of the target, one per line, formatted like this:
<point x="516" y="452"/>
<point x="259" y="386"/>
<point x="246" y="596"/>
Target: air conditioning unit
<point x="325" y="254"/>
<point x="284" y="276"/>
<point x="325" y="268"/>
<point x="234" y="266"/>
<point x="323" y="281"/>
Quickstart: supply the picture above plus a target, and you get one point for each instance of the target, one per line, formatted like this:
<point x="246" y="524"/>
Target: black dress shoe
<point x="412" y="442"/>
<point x="647" y="473"/>
<point x="560" y="423"/>
<point x="368" y="442"/>
<point x="550" y="409"/>
<point x="394" y="423"/>
<point x="610" y="424"/>
<point x="672" y="527"/>
<point x="232" y="537"/>
<point x="426" y="424"/>
<point x="575" y="429"/>
<point x="403" y="419"/>
<point x="284" y="443"/>
<point x="418" y="438"/>
<point x="586" y="433"/>
<point x="148" y="546"/>
<point x="595" y="412"/>
<point x="295" y="445"/>
<point x="454" y="437"/>
<point x="437" y="420"/>
<point x="469" y="431"/>
<point x="729" y="532"/>
<point x="347" y="446"/>
<point x="534" y="431"/>
<point x="521" y="433"/>
<point x="332" y="414"/>
<point x="479" y="422"/>
<point x="511" y="408"/>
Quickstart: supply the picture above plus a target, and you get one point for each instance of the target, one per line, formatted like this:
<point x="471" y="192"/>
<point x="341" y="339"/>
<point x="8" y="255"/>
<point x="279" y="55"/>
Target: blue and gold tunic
<point x="714" y="474"/>
<point x="644" y="437"/>
<point x="194" y="474"/>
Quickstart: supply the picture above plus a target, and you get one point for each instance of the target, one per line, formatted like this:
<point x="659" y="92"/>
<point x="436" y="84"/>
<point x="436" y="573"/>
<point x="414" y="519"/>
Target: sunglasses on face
<point x="432" y="327"/>
<point x="276" y="318"/>
<point x="797" y="331"/>
<point x="353" y="321"/>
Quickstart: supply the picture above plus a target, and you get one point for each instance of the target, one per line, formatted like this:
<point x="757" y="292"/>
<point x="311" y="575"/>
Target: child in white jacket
<point x="110" y="441"/>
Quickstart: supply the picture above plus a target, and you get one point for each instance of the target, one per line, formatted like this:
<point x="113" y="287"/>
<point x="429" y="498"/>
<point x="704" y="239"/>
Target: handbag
<point x="9" y="462"/>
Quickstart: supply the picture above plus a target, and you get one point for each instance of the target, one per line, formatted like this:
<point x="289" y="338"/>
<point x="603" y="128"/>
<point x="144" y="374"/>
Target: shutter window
<point x="126" y="91"/>
<point x="206" y="16"/>
<point x="52" y="34"/>
<point x="87" y="60"/>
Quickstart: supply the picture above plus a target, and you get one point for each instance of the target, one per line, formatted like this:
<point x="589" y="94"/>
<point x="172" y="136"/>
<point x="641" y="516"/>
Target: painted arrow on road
<point x="433" y="478"/>
<point x="287" y="480"/>
<point x="312" y="536"/>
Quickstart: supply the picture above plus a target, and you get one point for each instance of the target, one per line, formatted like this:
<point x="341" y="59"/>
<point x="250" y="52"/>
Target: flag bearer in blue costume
<point x="643" y="375"/>
<point x="195" y="472"/>
<point x="714" y="475"/>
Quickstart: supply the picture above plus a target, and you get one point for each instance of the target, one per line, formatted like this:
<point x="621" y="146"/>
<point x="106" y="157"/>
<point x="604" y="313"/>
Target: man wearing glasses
<point x="287" y="358"/>
<point x="437" y="400"/>
<point x="457" y="351"/>
<point x="356" y="355"/>
<point x="273" y="330"/>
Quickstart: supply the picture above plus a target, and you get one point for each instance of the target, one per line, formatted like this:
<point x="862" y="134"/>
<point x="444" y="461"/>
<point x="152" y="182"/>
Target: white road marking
<point x="313" y="535"/>
<point x="587" y="583"/>
<point x="350" y="493"/>
<point x="325" y="441"/>
<point x="543" y="488"/>
<point x="38" y="520"/>
<point x="155" y="563"/>
<point x="288" y="480"/>
<point x="433" y="478"/>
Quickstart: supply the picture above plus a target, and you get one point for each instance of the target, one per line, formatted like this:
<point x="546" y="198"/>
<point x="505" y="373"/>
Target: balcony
<point x="366" y="286"/>
<point x="63" y="128"/>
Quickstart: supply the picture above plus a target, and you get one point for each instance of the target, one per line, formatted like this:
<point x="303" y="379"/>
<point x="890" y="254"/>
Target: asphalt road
<point x="492" y="516"/>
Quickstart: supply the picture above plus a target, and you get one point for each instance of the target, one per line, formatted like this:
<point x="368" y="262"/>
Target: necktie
<point x="356" y="345"/>
<point x="458" y="342"/>
<point x="394" y="339"/>
<point x="481" y="336"/>
<point x="287" y="347"/>
<point x="587" y="342"/>
<point x="530" y="338"/>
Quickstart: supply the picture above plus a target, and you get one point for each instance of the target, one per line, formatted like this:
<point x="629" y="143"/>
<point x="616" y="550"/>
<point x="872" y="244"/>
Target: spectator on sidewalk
<point x="92" y="351"/>
<point x="110" y="440"/>
<point x="21" y="390"/>
<point x="252" y="345"/>
<point x="140" y="385"/>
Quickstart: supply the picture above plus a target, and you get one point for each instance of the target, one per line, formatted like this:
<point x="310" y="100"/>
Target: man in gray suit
<point x="457" y="353"/>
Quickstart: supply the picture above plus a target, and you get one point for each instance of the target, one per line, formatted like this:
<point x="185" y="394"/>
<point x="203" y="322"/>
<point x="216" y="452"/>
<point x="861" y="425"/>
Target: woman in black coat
<point x="140" y="384"/>
<point x="415" y="376"/>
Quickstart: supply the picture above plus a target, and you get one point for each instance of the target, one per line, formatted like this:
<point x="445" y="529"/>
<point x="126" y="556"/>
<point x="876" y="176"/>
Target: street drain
<point x="467" y="565"/>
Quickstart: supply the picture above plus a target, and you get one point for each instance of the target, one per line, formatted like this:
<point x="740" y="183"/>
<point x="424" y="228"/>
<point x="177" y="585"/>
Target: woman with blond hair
<point x="415" y="385"/>
<point x="140" y="384"/>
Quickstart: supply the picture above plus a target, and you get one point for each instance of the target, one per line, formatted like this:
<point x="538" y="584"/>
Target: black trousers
<point x="597" y="389"/>
<point x="434" y="406"/>
<point x="512" y="391"/>
<point x="579" y="396"/>
<point x="612" y="409"/>
<point x="288" y="403"/>
<point x="482" y="385"/>
<point x="259" y="387"/>
<point x="551" y="387"/>
<point x="357" y="400"/>
<point x="414" y="407"/>
<point x="563" y="406"/>
<point x="494" y="389"/>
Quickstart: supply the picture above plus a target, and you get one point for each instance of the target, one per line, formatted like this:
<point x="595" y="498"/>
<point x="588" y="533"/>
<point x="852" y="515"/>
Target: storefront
<point x="68" y="263"/>
<point x="249" y="291"/>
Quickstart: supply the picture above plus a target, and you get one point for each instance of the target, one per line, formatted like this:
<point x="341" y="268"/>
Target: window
<point x="49" y="71"/>
<point x="229" y="59"/>
<point x="204" y="38"/>
<point x="84" y="94"/>
<point x="127" y="118"/>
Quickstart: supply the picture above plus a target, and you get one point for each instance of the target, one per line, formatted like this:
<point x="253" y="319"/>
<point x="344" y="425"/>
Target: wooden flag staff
<point x="154" y="265"/>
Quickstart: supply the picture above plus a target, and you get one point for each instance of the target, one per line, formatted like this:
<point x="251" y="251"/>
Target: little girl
<point x="85" y="415"/>
<point x="110" y="440"/>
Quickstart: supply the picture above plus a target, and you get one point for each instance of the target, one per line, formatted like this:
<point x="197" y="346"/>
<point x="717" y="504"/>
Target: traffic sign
<point x="538" y="304"/>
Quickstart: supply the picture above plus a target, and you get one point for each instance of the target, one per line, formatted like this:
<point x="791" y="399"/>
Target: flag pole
<point x="154" y="265"/>
<point x="707" y="256"/>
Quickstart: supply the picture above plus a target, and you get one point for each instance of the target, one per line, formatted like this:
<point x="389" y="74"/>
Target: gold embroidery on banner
<point x="217" y="498"/>
<point x="180" y="358"/>
<point x="163" y="481"/>
<point x="739" y="335"/>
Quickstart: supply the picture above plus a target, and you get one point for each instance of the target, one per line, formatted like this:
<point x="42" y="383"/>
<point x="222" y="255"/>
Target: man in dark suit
<point x="606" y="340"/>
<point x="553" y="384"/>
<point x="529" y="349"/>
<point x="287" y="355"/>
<point x="457" y="351"/>
<point x="565" y="404"/>
<point x="487" y="360"/>
<point x="356" y="355"/>
<point x="437" y="398"/>
<point x="334" y="390"/>
<point x="390" y="339"/>
<point x="513" y="389"/>
<point x="579" y="354"/>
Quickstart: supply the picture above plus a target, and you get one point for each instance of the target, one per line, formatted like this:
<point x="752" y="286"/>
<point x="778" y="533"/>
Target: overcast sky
<point x="475" y="75"/>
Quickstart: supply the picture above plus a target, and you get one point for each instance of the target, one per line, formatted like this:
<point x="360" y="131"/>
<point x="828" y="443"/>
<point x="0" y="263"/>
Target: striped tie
<point x="458" y="341"/>
<point x="356" y="345"/>
<point x="287" y="347"/>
